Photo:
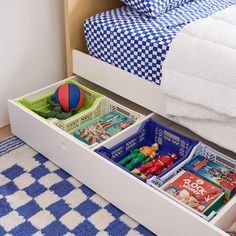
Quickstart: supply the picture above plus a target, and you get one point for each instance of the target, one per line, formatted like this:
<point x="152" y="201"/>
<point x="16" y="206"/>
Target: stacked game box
<point x="218" y="174"/>
<point x="102" y="128"/>
<point x="195" y="192"/>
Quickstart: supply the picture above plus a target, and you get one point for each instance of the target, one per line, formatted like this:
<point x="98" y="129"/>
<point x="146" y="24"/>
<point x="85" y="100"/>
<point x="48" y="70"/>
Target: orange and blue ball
<point x="69" y="96"/>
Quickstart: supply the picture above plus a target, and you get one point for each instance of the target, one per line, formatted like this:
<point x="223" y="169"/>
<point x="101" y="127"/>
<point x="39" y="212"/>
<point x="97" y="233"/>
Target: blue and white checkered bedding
<point x="138" y="43"/>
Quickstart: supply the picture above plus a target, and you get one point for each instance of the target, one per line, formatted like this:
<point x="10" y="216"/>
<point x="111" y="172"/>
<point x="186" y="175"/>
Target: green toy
<point x="56" y="111"/>
<point x="141" y="155"/>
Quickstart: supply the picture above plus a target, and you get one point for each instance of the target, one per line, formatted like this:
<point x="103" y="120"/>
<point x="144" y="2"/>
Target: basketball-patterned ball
<point x="69" y="96"/>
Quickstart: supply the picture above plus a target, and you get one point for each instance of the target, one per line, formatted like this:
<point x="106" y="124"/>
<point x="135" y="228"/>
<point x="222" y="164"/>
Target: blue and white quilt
<point x="138" y="43"/>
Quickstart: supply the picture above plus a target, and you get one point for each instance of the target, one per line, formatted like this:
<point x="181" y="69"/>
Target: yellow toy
<point x="141" y="155"/>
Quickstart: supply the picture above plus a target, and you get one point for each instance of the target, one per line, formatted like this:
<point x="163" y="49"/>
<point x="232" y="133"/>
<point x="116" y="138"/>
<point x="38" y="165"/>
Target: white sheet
<point x="199" y="76"/>
<point x="179" y="108"/>
<point x="222" y="134"/>
<point x="204" y="122"/>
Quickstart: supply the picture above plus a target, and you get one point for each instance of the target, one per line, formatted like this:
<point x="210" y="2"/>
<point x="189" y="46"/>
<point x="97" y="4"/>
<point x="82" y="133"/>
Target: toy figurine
<point x="141" y="155"/>
<point x="56" y="111"/>
<point x="156" y="166"/>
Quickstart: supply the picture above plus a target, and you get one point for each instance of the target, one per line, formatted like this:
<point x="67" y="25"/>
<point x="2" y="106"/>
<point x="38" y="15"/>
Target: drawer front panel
<point x="146" y="205"/>
<point x="227" y="216"/>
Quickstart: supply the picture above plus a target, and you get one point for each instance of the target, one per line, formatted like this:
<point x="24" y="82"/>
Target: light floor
<point x="6" y="132"/>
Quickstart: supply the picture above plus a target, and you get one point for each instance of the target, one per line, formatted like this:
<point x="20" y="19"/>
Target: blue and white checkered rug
<point x="38" y="198"/>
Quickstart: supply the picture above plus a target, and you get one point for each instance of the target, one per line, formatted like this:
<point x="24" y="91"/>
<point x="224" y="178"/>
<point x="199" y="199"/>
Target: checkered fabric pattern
<point x="154" y="7"/>
<point x="137" y="43"/>
<point x="38" y="198"/>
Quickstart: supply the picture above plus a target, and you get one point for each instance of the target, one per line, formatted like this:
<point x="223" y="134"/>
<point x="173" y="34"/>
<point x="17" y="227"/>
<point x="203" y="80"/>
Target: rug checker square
<point x="38" y="198"/>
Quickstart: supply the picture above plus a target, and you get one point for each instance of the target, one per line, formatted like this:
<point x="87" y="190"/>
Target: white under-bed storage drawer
<point x="148" y="206"/>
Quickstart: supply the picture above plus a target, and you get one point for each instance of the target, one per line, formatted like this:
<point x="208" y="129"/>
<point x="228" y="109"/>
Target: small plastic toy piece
<point x="156" y="166"/>
<point x="102" y="128"/>
<point x="141" y="155"/>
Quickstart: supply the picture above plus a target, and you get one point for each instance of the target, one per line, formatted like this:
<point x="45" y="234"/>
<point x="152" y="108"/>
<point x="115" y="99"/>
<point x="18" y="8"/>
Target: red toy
<point x="69" y="96"/>
<point x="156" y="166"/>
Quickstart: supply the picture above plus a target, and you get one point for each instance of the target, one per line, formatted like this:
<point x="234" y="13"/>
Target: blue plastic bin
<point x="151" y="132"/>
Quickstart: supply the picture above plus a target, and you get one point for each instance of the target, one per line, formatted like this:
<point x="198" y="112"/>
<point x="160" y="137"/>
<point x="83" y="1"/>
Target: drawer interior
<point x="222" y="218"/>
<point x="69" y="145"/>
<point x="39" y="100"/>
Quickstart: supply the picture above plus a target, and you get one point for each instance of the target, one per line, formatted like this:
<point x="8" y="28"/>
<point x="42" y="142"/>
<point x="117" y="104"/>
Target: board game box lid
<point x="193" y="191"/>
<point x="218" y="174"/>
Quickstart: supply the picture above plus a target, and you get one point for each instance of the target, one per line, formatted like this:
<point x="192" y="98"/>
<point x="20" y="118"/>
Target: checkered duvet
<point x="138" y="43"/>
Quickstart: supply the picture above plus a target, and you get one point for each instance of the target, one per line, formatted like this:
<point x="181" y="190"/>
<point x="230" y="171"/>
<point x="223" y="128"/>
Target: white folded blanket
<point x="222" y="134"/>
<point x="206" y="123"/>
<point x="199" y="78"/>
<point x="179" y="108"/>
<point x="200" y="67"/>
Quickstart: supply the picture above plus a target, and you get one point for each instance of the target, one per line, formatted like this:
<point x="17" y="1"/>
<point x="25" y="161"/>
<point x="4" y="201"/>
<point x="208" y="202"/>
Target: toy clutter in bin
<point x="87" y="115"/>
<point x="204" y="184"/>
<point x="114" y="118"/>
<point x="153" y="151"/>
<point x="63" y="102"/>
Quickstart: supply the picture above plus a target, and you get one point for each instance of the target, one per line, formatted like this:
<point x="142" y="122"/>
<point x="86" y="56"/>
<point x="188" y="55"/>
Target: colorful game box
<point x="216" y="173"/>
<point x="102" y="128"/>
<point x="195" y="192"/>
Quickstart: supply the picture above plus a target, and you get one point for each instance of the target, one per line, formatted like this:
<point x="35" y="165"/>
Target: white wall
<point x="32" y="48"/>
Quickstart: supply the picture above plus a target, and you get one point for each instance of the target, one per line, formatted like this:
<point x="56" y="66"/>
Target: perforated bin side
<point x="213" y="155"/>
<point x="150" y="132"/>
<point x="172" y="141"/>
<point x="40" y="103"/>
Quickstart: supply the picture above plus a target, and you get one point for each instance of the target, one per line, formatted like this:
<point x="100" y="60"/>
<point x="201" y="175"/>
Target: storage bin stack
<point x="89" y="117"/>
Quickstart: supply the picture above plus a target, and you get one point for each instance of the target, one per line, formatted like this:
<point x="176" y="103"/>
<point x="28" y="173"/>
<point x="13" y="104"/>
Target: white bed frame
<point x="129" y="86"/>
